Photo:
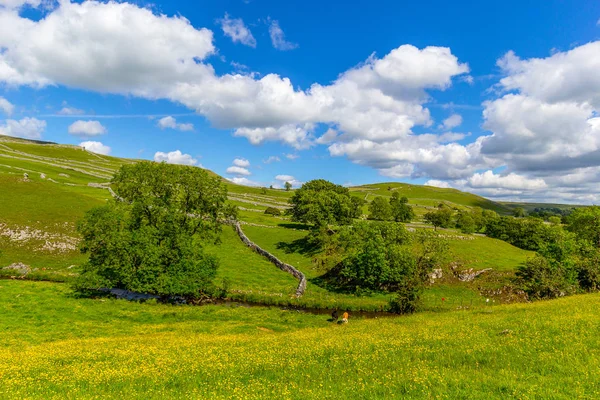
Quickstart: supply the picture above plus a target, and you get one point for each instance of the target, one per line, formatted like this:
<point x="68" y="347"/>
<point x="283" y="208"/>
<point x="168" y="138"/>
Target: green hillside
<point x="38" y="215"/>
<point x="426" y="197"/>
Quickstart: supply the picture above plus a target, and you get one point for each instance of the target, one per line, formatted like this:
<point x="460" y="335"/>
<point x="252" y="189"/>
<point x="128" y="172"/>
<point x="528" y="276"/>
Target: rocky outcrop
<point x="19" y="268"/>
<point x="278" y="263"/>
<point x="468" y="275"/>
<point x="435" y="274"/>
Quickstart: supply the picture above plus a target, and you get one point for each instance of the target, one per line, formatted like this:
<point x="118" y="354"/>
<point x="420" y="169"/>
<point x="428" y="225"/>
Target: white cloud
<point x="562" y="77"/>
<point x="238" y="171"/>
<point x="452" y="122"/>
<point x="284" y="178"/>
<point x="96" y="147"/>
<point x="244" y="181"/>
<point x="6" y="106"/>
<point x="241" y="162"/>
<point x="489" y="179"/>
<point x="28" y="128"/>
<point x="171" y="123"/>
<point x="328" y="136"/>
<point x="272" y="159"/>
<point x="437" y="183"/>
<point x="175" y="157"/>
<point x="278" y="37"/>
<point x="87" y="128"/>
<point x="281" y="179"/>
<point x="237" y="31"/>
<point x="299" y="137"/>
<point x="70" y="111"/>
<point x="15" y="4"/>
<point x="546" y="128"/>
<point x="106" y="47"/>
<point x="156" y="56"/>
<point x="291" y="156"/>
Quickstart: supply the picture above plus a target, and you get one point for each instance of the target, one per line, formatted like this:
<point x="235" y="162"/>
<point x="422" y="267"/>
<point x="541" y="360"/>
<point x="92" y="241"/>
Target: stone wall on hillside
<point x="278" y="263"/>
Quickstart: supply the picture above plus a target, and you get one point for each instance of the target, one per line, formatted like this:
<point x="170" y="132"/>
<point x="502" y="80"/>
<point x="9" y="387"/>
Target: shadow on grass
<point x="300" y="246"/>
<point x="296" y="226"/>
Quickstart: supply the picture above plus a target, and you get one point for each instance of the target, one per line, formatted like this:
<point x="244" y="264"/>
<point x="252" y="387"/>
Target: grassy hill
<point x="38" y="217"/>
<point x="423" y="198"/>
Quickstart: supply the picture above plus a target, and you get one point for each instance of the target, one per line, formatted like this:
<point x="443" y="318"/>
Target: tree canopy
<point x="151" y="239"/>
<point x="320" y="202"/>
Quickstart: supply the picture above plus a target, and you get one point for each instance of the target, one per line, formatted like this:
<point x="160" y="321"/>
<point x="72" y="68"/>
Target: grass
<point x="250" y="276"/>
<point x="56" y="346"/>
<point x="483" y="252"/>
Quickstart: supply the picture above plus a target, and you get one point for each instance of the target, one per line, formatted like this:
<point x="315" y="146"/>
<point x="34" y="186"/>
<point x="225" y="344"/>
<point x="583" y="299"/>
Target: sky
<point x="501" y="99"/>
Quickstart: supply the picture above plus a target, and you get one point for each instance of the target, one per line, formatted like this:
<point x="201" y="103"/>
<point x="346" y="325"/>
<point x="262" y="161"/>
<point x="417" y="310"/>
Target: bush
<point x="382" y="256"/>
<point x="406" y="300"/>
<point x="542" y="279"/>
<point x="273" y="211"/>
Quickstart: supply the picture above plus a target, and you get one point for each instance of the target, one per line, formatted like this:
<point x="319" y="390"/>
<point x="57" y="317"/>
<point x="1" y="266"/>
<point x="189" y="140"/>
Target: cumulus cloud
<point x="27" y="128"/>
<point x="106" y="47"/>
<point x="545" y="127"/>
<point x="241" y="162"/>
<point x="70" y="111"/>
<point x="96" y="147"/>
<point x="436" y="183"/>
<point x="87" y="128"/>
<point x="171" y="123"/>
<point x="278" y="37"/>
<point x="235" y="29"/>
<point x="238" y="171"/>
<point x="157" y="56"/>
<point x="282" y="179"/>
<point x="6" y="107"/>
<point x="272" y="159"/>
<point x="244" y="181"/>
<point x="489" y="179"/>
<point x="15" y="4"/>
<point x="452" y="122"/>
<point x="175" y="157"/>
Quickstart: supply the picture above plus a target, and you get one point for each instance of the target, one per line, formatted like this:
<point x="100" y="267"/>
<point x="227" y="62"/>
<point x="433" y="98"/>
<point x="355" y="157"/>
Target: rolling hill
<point x="38" y="215"/>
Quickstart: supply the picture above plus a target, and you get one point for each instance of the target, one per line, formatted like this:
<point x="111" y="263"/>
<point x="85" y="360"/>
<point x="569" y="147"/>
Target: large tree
<point x="380" y="209"/>
<point x="442" y="217"/>
<point x="150" y="239"/>
<point x="585" y="223"/>
<point x="320" y="202"/>
<point x="401" y="211"/>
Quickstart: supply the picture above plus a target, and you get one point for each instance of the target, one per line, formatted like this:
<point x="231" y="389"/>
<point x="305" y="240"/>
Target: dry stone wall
<point x="278" y="263"/>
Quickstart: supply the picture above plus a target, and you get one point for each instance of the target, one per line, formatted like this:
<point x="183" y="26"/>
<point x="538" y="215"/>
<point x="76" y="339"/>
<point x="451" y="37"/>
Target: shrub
<point x="406" y="300"/>
<point x="273" y="211"/>
<point x="541" y="279"/>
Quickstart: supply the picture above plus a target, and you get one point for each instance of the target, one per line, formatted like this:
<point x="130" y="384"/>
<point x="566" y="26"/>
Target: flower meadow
<point x="56" y="346"/>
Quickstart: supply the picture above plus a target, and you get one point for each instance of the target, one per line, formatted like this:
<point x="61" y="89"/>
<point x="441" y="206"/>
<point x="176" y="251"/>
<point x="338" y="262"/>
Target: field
<point x="465" y="343"/>
<point x="57" y="346"/>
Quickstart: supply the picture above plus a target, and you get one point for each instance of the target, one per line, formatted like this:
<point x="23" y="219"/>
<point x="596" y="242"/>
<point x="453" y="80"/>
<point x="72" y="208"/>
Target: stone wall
<point x="278" y="263"/>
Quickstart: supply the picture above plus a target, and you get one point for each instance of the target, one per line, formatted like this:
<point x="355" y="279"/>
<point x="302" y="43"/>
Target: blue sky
<point x="265" y="80"/>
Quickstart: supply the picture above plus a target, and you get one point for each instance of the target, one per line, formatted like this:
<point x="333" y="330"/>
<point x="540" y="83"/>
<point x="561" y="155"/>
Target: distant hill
<point x="424" y="197"/>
